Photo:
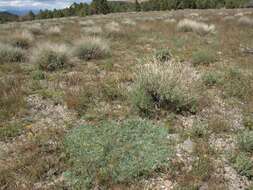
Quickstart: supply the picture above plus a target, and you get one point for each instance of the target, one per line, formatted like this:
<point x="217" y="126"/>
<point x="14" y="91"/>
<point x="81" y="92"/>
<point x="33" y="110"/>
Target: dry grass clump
<point x="54" y="30"/>
<point x="86" y="23"/>
<point x="23" y="39"/>
<point x="80" y="97"/>
<point x="73" y="78"/>
<point x="93" y="30"/>
<point x="91" y="48"/>
<point x="9" y="54"/>
<point x="167" y="85"/>
<point x="228" y="18"/>
<point x="50" y="57"/>
<point x="129" y="21"/>
<point x="12" y="97"/>
<point x="113" y="27"/>
<point x="245" y="21"/>
<point x="200" y="28"/>
<point x="170" y="20"/>
<point x="35" y="28"/>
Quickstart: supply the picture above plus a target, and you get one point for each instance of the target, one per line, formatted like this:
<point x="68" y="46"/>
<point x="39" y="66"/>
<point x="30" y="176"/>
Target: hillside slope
<point x="6" y="16"/>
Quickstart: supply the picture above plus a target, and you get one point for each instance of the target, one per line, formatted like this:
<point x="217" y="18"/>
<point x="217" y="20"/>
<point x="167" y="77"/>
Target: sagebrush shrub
<point x="91" y="48"/>
<point x="50" y="57"/>
<point x="168" y="85"/>
<point x="187" y="25"/>
<point x="116" y="153"/>
<point x="10" y="54"/>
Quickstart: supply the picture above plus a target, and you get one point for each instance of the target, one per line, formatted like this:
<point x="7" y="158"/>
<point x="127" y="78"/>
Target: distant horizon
<point x="21" y="7"/>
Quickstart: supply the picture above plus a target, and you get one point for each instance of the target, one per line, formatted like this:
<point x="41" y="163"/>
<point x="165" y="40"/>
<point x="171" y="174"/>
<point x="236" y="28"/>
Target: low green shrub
<point x="248" y="121"/>
<point x="9" y="54"/>
<point x="245" y="141"/>
<point x="203" y="57"/>
<point x="116" y="153"/>
<point x="211" y="79"/>
<point x="243" y="165"/>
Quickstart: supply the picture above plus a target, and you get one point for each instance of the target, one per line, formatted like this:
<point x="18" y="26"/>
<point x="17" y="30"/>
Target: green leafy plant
<point x="116" y="153"/>
<point x="245" y="141"/>
<point x="211" y="79"/>
<point x="244" y="165"/>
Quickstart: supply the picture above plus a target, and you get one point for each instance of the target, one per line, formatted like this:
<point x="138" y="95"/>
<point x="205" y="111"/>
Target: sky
<point x="23" y="5"/>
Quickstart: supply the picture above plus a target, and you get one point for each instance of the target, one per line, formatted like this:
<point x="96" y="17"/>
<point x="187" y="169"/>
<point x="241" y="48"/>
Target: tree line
<point x="105" y="7"/>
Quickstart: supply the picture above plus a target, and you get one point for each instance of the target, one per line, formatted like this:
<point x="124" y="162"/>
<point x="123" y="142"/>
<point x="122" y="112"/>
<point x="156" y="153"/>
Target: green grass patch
<point x="116" y="153"/>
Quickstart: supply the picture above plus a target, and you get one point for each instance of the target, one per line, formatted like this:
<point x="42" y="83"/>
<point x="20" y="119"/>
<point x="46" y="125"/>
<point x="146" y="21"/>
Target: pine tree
<point x="100" y="7"/>
<point x="137" y="6"/>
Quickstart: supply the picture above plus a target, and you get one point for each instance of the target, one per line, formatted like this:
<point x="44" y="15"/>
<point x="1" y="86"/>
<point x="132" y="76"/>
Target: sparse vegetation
<point x="69" y="109"/>
<point x="110" y="154"/>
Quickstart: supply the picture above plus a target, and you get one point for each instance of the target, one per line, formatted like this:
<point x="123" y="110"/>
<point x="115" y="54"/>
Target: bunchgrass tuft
<point x="200" y="28"/>
<point x="167" y="85"/>
<point x="9" y="54"/>
<point x="92" y="30"/>
<point x="91" y="48"/>
<point x="51" y="57"/>
<point x="22" y="40"/>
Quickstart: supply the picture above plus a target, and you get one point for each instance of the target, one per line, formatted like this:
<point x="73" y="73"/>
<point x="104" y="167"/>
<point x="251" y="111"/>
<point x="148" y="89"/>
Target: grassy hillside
<point x="148" y="100"/>
<point x="5" y="17"/>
